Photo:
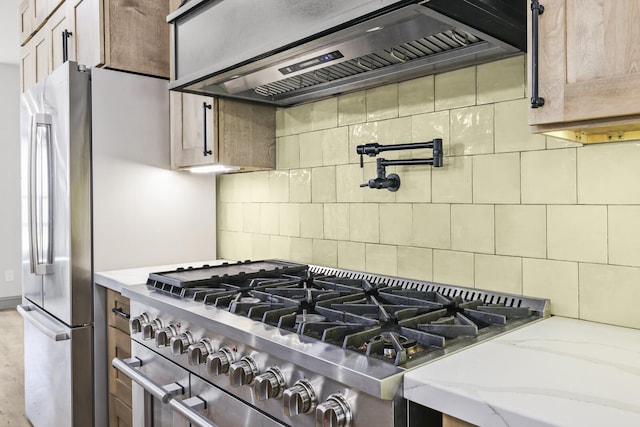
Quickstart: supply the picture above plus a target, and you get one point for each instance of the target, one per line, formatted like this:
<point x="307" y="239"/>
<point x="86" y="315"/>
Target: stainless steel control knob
<point x="135" y="324"/>
<point x="299" y="399"/>
<point x="197" y="353"/>
<point x="242" y="372"/>
<point x="218" y="363"/>
<point x="149" y="329"/>
<point x="164" y="335"/>
<point x="180" y="342"/>
<point x="334" y="412"/>
<point x="269" y="385"/>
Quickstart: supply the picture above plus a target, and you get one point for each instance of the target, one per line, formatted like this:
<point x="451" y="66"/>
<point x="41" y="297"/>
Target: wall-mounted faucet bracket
<point x="392" y="181"/>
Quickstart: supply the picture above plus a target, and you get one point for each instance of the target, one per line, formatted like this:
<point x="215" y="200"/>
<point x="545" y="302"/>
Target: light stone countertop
<point x="117" y="279"/>
<point x="556" y="372"/>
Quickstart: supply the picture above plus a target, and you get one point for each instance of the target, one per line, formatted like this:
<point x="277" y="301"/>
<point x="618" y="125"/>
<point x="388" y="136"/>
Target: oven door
<point x="165" y="394"/>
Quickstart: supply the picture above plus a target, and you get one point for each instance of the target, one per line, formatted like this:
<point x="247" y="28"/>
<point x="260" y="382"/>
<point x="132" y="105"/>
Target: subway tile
<point x="455" y="89"/>
<point x="607" y="174"/>
<point x="348" y="180"/>
<point x="280" y="128"/>
<point x="311" y="149"/>
<point x="471" y="131"/>
<point x="577" y="233"/>
<point x="501" y="80"/>
<point x="521" y="230"/>
<point x="454" y="268"/>
<point x="324" y="114"/>
<point x="230" y="216"/>
<point x="288" y="152"/>
<point x="472" y="228"/>
<point x="323" y="184"/>
<point x="225" y="185"/>
<point x="250" y="217"/>
<point x="511" y="130"/>
<point x="382" y="102"/>
<point x="609" y="294"/>
<point x="549" y="177"/>
<point x="336" y="221"/>
<point x="381" y="259"/>
<point x="555" y="280"/>
<point x="415" y="263"/>
<point x="298" y="119"/>
<point x="496" y="178"/>
<point x="426" y="127"/>
<point x="301" y="250"/>
<point x="364" y="225"/>
<point x="416" y="96"/>
<point x="300" y="185"/>
<point x="325" y="252"/>
<point x="396" y="224"/>
<point x="260" y="246"/>
<point x="452" y="183"/>
<point x="395" y="131"/>
<point x="255" y="186"/>
<point x="351" y="255"/>
<point x="269" y="223"/>
<point x="352" y="108"/>
<point x="278" y="186"/>
<point x="624" y="235"/>
<point x="432" y="226"/>
<point x="289" y="216"/>
<point x="235" y="245"/>
<point x="554" y="143"/>
<point x="415" y="184"/>
<point x="335" y="146"/>
<point x="312" y="220"/>
<point x="498" y="273"/>
<point x="280" y="247"/>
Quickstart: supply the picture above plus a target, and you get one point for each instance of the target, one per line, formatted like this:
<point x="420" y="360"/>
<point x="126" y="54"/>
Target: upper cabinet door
<point x="193" y="124"/>
<point x="589" y="60"/>
<point x="85" y="22"/>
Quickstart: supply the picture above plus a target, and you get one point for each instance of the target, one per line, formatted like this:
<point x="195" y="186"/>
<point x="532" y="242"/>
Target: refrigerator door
<point x="57" y="375"/>
<point x="56" y="183"/>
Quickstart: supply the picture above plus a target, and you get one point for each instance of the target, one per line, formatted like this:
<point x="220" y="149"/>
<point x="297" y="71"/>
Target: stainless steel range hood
<point x="286" y="52"/>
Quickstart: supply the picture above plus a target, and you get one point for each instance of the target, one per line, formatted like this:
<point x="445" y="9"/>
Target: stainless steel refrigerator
<point x="96" y="194"/>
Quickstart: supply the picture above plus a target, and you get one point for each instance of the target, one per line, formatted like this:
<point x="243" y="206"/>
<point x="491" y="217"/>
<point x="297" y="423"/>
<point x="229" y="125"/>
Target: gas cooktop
<point x="394" y="320"/>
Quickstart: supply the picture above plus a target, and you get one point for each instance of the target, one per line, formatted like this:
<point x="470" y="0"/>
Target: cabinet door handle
<point x="205" y="107"/>
<point x="118" y="311"/>
<point x="65" y="45"/>
<point x="536" y="10"/>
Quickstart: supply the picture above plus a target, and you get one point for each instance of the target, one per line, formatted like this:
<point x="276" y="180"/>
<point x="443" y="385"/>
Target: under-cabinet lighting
<point x="371" y="30"/>
<point x="211" y="169"/>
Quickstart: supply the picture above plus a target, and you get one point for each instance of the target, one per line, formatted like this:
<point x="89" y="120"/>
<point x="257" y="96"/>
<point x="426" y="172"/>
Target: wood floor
<point x="11" y="370"/>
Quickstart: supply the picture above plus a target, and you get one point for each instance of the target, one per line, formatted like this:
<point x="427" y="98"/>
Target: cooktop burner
<point x="379" y="318"/>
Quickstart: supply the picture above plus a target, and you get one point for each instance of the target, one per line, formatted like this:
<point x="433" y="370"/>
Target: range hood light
<point x="371" y="30"/>
<point x="211" y="169"/>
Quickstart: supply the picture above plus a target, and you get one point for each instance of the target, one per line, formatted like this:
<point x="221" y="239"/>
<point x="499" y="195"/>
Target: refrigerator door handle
<point x="41" y="195"/>
<point x="32" y="317"/>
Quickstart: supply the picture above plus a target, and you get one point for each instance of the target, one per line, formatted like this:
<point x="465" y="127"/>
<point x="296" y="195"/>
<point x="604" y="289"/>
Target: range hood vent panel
<point x="388" y="45"/>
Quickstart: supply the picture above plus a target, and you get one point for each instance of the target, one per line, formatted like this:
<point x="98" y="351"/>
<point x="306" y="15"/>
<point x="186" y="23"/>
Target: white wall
<point x="9" y="184"/>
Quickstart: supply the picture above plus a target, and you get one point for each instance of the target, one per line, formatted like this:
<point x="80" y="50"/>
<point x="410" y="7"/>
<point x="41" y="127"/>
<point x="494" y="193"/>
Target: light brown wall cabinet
<point x="118" y="34"/>
<point x="238" y="134"/>
<point x="118" y="345"/>
<point x="588" y="70"/>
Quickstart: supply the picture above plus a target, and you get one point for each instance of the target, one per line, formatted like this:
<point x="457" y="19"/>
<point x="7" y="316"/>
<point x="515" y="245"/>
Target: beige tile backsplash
<point x="510" y="211"/>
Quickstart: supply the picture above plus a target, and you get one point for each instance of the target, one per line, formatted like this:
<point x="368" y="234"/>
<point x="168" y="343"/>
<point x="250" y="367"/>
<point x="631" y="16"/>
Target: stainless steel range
<point x="273" y="343"/>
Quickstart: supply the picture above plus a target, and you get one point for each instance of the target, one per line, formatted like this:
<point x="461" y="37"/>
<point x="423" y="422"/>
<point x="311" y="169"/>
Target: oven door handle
<point x="165" y="394"/>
